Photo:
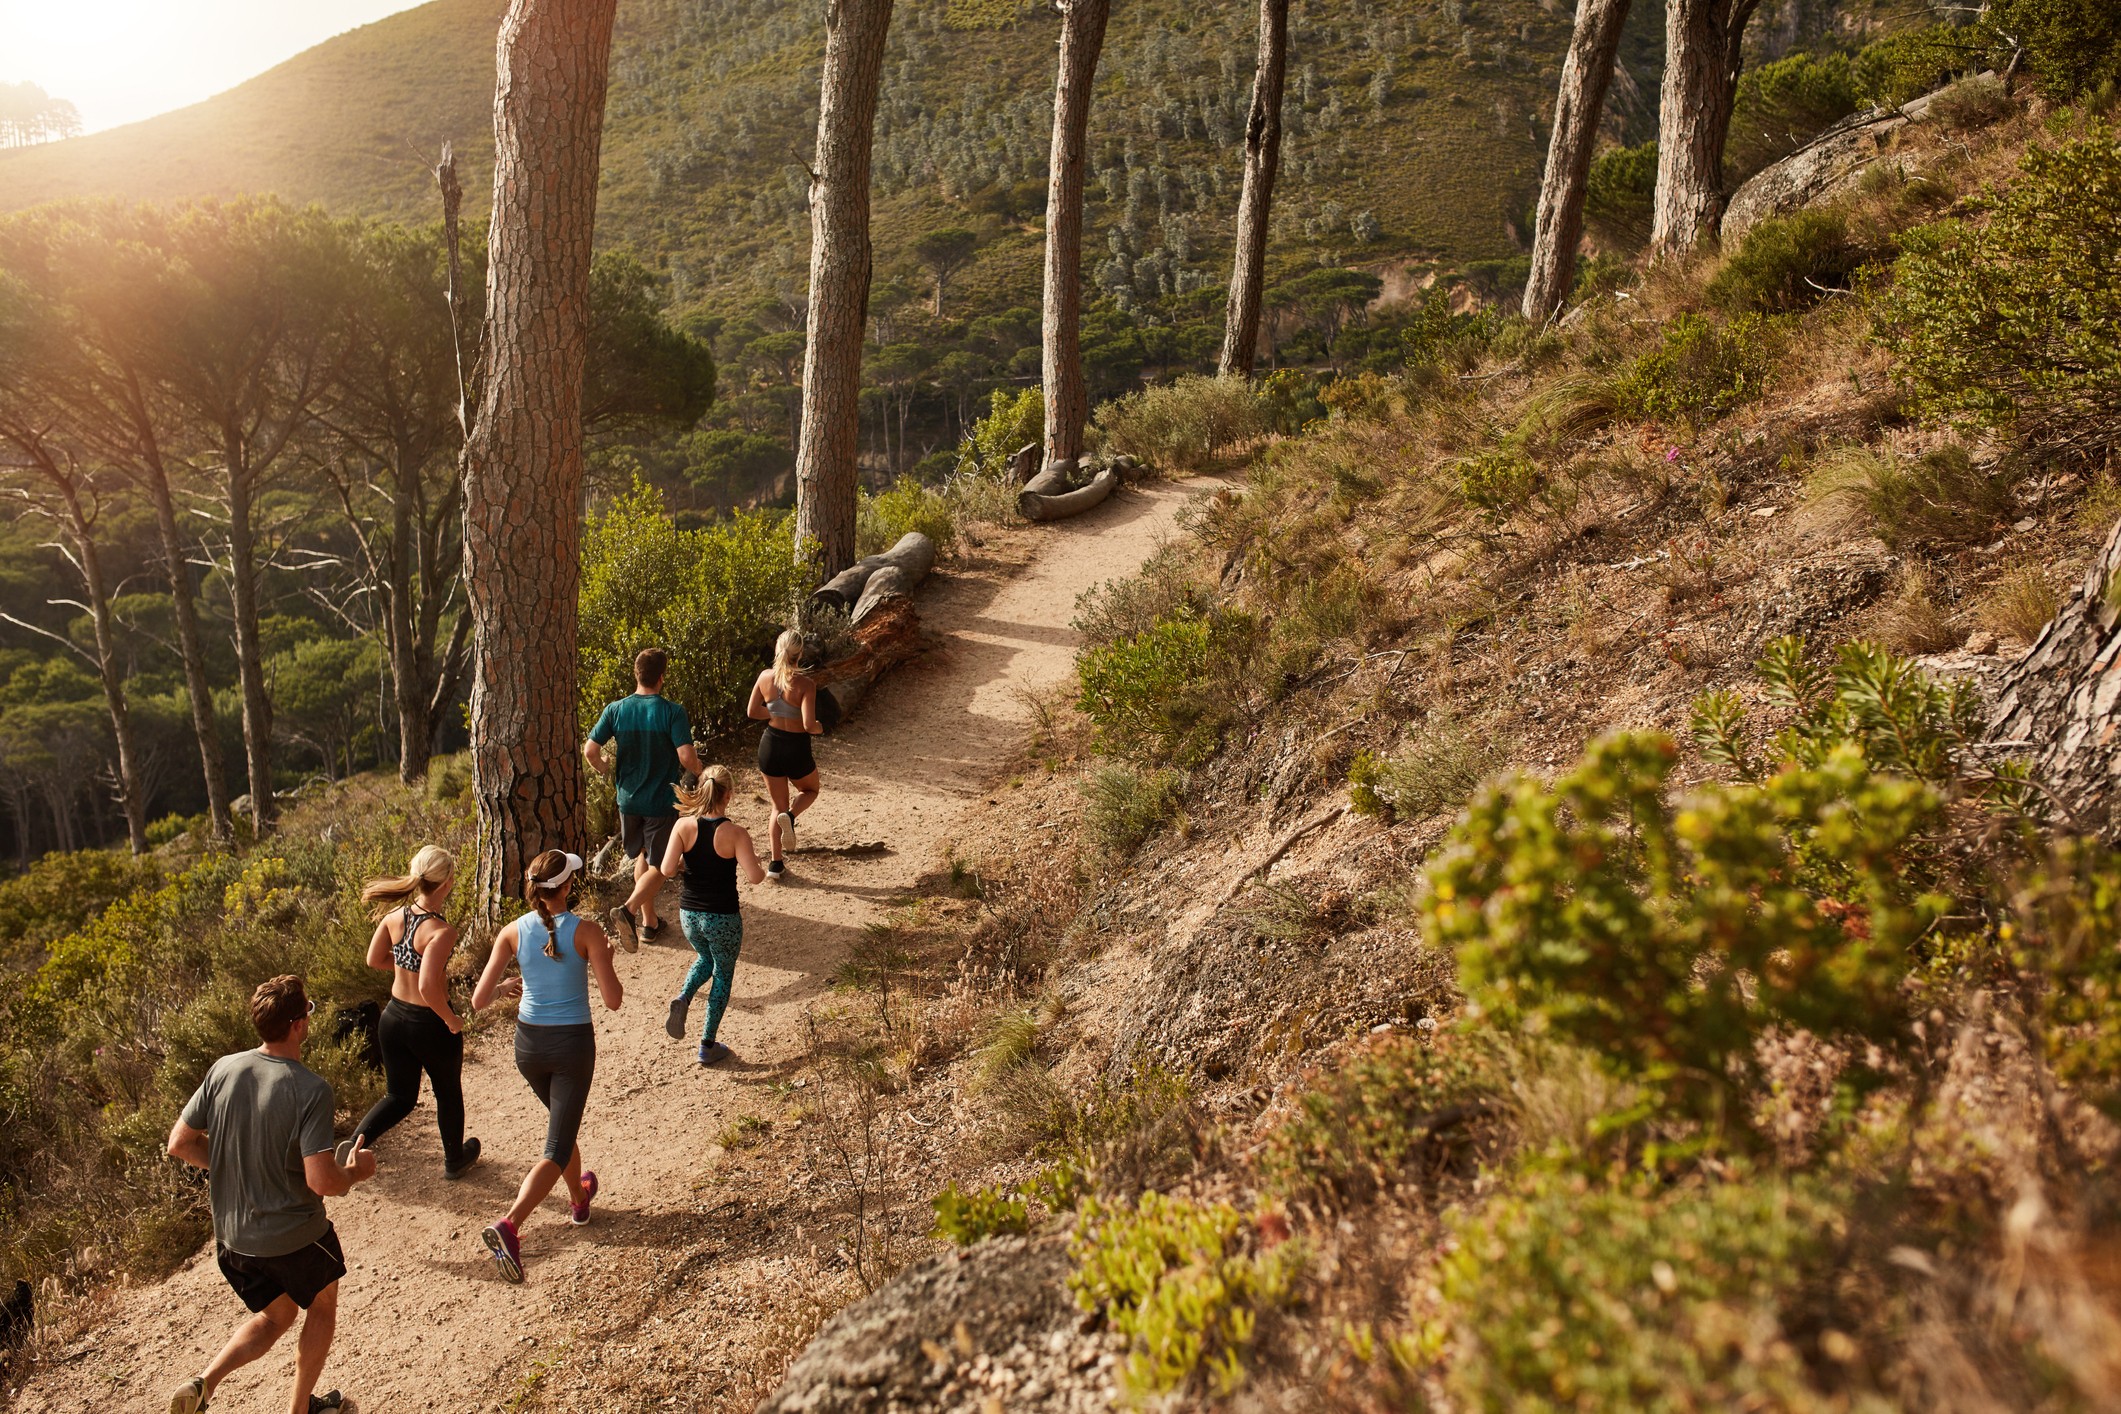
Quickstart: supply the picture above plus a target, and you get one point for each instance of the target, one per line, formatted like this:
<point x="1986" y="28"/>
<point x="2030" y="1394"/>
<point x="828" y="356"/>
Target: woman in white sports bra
<point x="786" y="701"/>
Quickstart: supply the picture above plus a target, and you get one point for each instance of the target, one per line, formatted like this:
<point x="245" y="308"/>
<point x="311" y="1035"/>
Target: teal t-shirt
<point x="649" y="730"/>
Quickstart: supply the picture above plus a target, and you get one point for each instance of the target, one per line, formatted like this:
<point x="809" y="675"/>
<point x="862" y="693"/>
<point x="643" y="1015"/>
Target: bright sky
<point x="123" y="60"/>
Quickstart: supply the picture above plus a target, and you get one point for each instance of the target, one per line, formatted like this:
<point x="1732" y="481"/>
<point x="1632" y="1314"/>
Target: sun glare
<point x="118" y="61"/>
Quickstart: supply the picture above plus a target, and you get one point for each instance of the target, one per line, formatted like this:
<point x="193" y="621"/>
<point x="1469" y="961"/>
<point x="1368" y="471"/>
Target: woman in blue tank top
<point x="709" y="849"/>
<point x="556" y="1047"/>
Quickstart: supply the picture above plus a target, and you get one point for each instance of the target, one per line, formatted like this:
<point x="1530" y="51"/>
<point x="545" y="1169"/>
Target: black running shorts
<point x="787" y="754"/>
<point x="650" y="832"/>
<point x="301" y="1274"/>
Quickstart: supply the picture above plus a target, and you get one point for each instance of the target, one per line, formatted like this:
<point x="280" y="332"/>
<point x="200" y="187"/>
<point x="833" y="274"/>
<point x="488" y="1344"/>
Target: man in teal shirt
<point x="654" y="739"/>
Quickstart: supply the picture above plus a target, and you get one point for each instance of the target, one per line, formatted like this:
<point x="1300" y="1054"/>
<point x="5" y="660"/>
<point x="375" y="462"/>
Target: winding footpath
<point x="424" y="1321"/>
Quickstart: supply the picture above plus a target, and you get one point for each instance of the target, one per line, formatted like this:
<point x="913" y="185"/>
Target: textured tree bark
<point x="1262" y="159"/>
<point x="1067" y="392"/>
<point x="1585" y="73"/>
<point x="1702" y="54"/>
<point x="250" y="658"/>
<point x="839" y="282"/>
<point x="2064" y="696"/>
<point x="523" y="460"/>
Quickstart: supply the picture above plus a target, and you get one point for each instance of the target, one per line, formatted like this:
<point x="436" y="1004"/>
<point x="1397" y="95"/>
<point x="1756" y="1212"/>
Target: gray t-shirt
<point x="262" y="1116"/>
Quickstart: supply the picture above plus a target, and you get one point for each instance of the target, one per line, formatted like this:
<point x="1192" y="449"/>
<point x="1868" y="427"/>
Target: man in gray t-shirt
<point x="261" y="1126"/>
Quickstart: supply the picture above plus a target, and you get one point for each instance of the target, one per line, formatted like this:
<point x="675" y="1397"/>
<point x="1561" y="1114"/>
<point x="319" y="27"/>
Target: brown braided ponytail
<point x="546" y="866"/>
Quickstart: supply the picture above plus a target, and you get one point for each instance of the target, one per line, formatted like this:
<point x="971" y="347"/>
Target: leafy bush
<point x="1618" y="192"/>
<point x="1782" y="105"/>
<point x="1121" y="608"/>
<point x="1937" y="499"/>
<point x="1389" y="1104"/>
<point x="1499" y="481"/>
<point x="713" y="597"/>
<point x="1972" y="103"/>
<point x="2067" y="935"/>
<point x="1175" y="1277"/>
<point x="1013" y="421"/>
<point x="1435" y="772"/>
<point x="2017" y="322"/>
<point x="1126" y="805"/>
<point x="1289" y="401"/>
<point x="60" y="892"/>
<point x="1565" y="1295"/>
<point x="1669" y="937"/>
<point x="1698" y="372"/>
<point x="2073" y="46"/>
<point x="1184" y="425"/>
<point x="1907" y="65"/>
<point x="1787" y="264"/>
<point x="1166" y="692"/>
<point x="906" y="506"/>
<point x="965" y="1218"/>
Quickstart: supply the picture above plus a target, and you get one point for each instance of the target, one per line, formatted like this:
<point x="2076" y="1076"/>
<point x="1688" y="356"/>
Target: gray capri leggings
<point x="559" y="1062"/>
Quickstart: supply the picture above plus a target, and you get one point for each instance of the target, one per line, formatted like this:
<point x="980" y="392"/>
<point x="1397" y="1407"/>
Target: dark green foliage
<point x="727" y="462"/>
<point x="1164" y="694"/>
<point x="1699" y="372"/>
<point x="639" y="366"/>
<point x="968" y="1217"/>
<point x="1617" y="195"/>
<point x="61" y="892"/>
<point x="1499" y="482"/>
<point x="2016" y="322"/>
<point x="1783" y="105"/>
<point x="1789" y="263"/>
<point x="1907" y="65"/>
<point x="1390" y="1104"/>
<point x="2072" y="46"/>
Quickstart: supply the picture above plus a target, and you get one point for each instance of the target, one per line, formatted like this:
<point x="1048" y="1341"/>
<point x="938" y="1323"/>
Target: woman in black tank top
<point x="706" y="850"/>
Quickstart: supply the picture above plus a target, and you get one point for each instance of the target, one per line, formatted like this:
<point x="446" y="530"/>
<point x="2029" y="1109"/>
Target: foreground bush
<point x="1697" y="373"/>
<point x="1788" y="263"/>
<point x="2017" y="323"/>
<point x="1184" y="425"/>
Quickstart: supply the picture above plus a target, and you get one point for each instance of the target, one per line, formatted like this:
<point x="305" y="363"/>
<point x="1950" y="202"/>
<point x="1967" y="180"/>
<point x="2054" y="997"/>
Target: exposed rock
<point x="991" y="1326"/>
<point x="1825" y="167"/>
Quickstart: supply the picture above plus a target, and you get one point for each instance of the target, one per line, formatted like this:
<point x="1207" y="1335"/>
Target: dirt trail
<point x="424" y="1322"/>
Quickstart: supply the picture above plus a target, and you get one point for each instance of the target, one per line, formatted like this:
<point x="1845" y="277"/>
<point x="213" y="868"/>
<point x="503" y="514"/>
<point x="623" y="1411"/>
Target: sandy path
<point x="424" y="1323"/>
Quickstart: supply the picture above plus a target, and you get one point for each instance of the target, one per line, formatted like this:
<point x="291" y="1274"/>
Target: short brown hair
<point x="649" y="665"/>
<point x="277" y="1005"/>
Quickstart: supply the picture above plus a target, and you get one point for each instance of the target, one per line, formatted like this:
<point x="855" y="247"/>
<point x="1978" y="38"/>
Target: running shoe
<point x="578" y="1213"/>
<point x="625" y="930"/>
<point x="467" y="1159"/>
<point x="332" y="1403"/>
<point x="507" y="1250"/>
<point x="189" y="1398"/>
<point x="775" y="869"/>
<point x="655" y="929"/>
<point x="788" y="832"/>
<point x="674" y="1023"/>
<point x="713" y="1053"/>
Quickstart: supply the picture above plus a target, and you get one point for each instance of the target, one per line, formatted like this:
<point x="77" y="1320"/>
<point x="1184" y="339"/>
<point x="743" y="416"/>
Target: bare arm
<point x="187" y="1145"/>
<point x="651" y="881"/>
<point x="327" y="1179"/>
<point x="742" y="851"/>
<point x="504" y="952"/>
<point x="756" y="707"/>
<point x="689" y="758"/>
<point x="594" y="755"/>
<point x="379" y="948"/>
<point x="434" y="976"/>
<point x="597" y="948"/>
<point x="810" y="722"/>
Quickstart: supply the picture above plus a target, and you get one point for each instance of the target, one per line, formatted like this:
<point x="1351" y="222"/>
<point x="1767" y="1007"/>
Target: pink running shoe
<point x="501" y="1241"/>
<point x="578" y="1213"/>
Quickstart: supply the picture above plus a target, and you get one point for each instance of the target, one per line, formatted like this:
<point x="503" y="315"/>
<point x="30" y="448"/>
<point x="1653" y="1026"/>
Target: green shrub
<point x="1013" y="421"/>
<point x="1289" y="401"/>
<point x="1618" y="194"/>
<point x="1668" y="938"/>
<point x="1787" y="264"/>
<point x="1434" y="772"/>
<point x="1121" y="608"/>
<point x="1499" y="481"/>
<point x="1562" y="1295"/>
<point x="906" y="506"/>
<point x="1137" y="1131"/>
<point x="1167" y="692"/>
<point x="2017" y="322"/>
<point x="713" y="597"/>
<point x="1937" y="499"/>
<point x="2072" y="46"/>
<point x="1698" y="372"/>
<point x="60" y="892"/>
<point x="1175" y="1277"/>
<point x="1184" y="425"/>
<point x="1364" y="1122"/>
<point x="1780" y="106"/>
<point x="1906" y="65"/>
<point x="1973" y="103"/>
<point x="1126" y="805"/>
<point x="2067" y="935"/>
<point x="965" y="1218"/>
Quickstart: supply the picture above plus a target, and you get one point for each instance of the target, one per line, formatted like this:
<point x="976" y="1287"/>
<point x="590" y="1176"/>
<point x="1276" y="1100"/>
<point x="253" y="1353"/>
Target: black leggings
<point x="414" y="1039"/>
<point x="559" y="1062"/>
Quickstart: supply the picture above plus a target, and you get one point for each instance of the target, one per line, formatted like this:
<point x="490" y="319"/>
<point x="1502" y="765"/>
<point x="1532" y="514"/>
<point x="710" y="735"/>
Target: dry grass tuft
<point x="2021" y="604"/>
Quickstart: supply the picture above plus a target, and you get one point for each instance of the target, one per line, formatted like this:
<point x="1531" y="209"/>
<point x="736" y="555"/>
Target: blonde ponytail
<point x="787" y="654"/>
<point x="431" y="867"/>
<point x="709" y="795"/>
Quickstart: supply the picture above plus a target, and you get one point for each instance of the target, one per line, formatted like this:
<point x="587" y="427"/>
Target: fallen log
<point x="913" y="556"/>
<point x="889" y="580"/>
<point x="1063" y="501"/>
<point x="886" y="637"/>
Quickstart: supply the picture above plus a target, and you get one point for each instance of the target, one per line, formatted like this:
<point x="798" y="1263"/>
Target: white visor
<point x="574" y="863"/>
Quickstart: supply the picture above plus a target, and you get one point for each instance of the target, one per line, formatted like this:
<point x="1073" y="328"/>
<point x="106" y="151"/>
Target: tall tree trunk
<point x="1067" y="393"/>
<point x="1702" y="53"/>
<point x="190" y="646"/>
<point x="2064" y="697"/>
<point x="121" y="718"/>
<point x="1578" y="106"/>
<point x="523" y="460"/>
<point x="827" y="446"/>
<point x="250" y="664"/>
<point x="408" y="673"/>
<point x="1262" y="159"/>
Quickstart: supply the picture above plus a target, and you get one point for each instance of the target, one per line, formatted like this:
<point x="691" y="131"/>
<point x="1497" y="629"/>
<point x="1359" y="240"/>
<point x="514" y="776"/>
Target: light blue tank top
<point x="555" y="992"/>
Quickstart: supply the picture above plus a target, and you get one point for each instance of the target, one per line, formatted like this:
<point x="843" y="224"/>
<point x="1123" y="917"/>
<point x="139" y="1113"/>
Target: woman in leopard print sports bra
<point x="420" y="1031"/>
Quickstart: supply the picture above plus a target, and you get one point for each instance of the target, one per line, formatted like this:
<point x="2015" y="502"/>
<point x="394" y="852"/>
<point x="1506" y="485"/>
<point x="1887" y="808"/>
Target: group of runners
<point x="260" y="1124"/>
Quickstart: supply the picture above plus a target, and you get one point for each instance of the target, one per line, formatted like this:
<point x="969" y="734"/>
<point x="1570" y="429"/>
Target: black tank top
<point x="710" y="880"/>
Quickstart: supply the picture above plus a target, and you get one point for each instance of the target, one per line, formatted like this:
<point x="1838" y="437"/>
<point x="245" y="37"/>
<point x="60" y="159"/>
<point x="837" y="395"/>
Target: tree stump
<point x="912" y="557"/>
<point x="2064" y="698"/>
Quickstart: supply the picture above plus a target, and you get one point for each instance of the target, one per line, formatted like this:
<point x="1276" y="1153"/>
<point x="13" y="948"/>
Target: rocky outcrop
<point x="1827" y="166"/>
<point x="991" y="1326"/>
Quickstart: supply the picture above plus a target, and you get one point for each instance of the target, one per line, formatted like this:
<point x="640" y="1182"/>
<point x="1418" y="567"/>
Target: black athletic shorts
<point x="785" y="753"/>
<point x="301" y="1274"/>
<point x="650" y="832"/>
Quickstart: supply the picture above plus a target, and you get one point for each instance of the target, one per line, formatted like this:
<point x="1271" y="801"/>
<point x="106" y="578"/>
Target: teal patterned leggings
<point x="717" y="938"/>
